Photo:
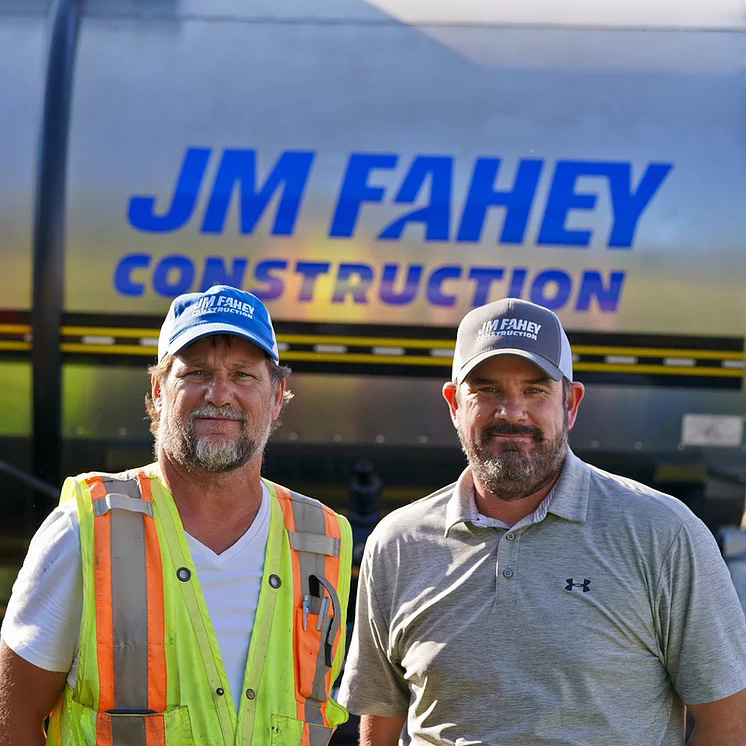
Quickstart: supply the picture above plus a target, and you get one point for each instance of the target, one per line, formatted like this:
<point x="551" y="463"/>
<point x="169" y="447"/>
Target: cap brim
<point x="209" y="330"/>
<point x="551" y="370"/>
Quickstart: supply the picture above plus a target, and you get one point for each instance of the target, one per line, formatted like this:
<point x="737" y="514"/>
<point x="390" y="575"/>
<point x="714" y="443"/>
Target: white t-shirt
<point x="42" y="622"/>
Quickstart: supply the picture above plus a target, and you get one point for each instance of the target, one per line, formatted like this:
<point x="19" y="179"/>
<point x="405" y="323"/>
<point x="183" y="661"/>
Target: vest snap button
<point x="250" y="694"/>
<point x="220" y="691"/>
<point x="183" y="574"/>
<point x="275" y="581"/>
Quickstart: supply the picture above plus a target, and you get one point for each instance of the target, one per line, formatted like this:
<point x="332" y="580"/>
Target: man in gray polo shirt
<point x="539" y="600"/>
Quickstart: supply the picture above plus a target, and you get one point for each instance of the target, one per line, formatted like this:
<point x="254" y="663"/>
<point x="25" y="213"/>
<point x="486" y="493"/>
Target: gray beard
<point x="514" y="473"/>
<point x="205" y="454"/>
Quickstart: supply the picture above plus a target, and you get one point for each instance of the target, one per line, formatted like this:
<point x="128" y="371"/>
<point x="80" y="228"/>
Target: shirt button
<point x="510" y="536"/>
<point x="250" y="694"/>
<point x="507" y="573"/>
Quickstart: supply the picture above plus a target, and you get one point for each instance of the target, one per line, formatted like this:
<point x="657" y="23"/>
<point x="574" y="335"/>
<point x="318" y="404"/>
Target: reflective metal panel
<point x="360" y="163"/>
<point x="23" y="41"/>
<point x="621" y="147"/>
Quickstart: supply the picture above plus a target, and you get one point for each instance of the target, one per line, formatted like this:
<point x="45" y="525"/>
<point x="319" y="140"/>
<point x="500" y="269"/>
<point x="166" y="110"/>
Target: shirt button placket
<point x="507" y="562"/>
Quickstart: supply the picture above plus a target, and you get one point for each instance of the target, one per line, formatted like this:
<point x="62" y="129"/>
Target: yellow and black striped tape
<point x="394" y="350"/>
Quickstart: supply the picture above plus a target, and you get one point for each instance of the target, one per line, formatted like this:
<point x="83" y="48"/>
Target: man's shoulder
<point x="149" y="470"/>
<point x="78" y="486"/>
<point x="640" y="501"/>
<point x="418" y="518"/>
<point x="301" y="499"/>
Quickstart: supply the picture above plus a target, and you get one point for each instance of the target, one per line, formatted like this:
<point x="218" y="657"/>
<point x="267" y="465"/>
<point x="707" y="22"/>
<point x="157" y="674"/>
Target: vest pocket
<point x="312" y="668"/>
<point x="141" y="729"/>
<point x="289" y="732"/>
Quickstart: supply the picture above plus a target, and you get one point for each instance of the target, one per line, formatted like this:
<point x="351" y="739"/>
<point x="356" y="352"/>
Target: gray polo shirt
<point x="588" y="624"/>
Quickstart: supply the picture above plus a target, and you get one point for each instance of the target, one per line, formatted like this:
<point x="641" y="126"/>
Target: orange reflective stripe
<point x="307" y="643"/>
<point x="332" y="574"/>
<point x="103" y="730"/>
<point x="104" y="616"/>
<point x="308" y="647"/>
<point x="283" y="496"/>
<point x="157" y="689"/>
<point x="153" y="637"/>
<point x="155" y="730"/>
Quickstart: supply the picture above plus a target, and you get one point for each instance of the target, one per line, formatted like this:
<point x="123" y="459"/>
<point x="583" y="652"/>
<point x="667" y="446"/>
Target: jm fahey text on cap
<point x="512" y="327"/>
<point x="219" y="310"/>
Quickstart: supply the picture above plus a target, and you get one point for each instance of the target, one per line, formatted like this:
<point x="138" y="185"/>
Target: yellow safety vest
<point x="149" y="666"/>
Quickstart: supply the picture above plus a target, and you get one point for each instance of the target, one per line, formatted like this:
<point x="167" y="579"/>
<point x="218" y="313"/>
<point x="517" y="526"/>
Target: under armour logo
<point x="584" y="585"/>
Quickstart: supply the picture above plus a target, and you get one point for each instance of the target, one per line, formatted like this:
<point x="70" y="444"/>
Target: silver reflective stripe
<point x="129" y="601"/>
<point x="128" y="730"/>
<point x="312" y="713"/>
<point x="115" y="501"/>
<point x="304" y="542"/>
<point x="319" y="735"/>
<point x="309" y="519"/>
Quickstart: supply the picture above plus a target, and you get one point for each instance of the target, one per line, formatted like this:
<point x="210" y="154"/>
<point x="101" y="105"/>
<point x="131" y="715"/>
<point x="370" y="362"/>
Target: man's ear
<point x="449" y="394"/>
<point x="574" y="397"/>
<point x="155" y="392"/>
<point x="279" y="396"/>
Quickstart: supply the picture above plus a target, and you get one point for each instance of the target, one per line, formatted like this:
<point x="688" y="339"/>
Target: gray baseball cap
<point x="512" y="327"/>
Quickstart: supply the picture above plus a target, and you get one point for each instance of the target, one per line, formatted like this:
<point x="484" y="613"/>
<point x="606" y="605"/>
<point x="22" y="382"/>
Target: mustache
<point x="506" y="429"/>
<point x="217" y="413"/>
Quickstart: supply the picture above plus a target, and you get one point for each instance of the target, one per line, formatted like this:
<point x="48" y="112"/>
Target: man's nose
<point x="511" y="408"/>
<point x="219" y="391"/>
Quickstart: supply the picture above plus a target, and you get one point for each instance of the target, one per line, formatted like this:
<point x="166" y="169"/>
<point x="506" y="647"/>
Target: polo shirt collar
<point x="459" y="508"/>
<point x="570" y="499"/>
<point x="569" y="495"/>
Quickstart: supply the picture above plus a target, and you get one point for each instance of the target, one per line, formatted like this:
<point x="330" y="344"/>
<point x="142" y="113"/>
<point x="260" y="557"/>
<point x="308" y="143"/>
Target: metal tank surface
<point x="373" y="170"/>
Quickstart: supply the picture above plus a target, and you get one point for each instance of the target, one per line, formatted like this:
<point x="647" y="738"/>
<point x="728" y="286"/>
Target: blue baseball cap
<point x="219" y="310"/>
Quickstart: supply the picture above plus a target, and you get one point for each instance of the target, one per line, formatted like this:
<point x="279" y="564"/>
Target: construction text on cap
<point x="221" y="309"/>
<point x="516" y="327"/>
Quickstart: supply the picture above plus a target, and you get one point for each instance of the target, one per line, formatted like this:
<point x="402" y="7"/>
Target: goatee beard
<point x="205" y="453"/>
<point x="515" y="473"/>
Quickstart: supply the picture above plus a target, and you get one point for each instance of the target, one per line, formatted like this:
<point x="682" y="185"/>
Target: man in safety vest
<point x="189" y="601"/>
